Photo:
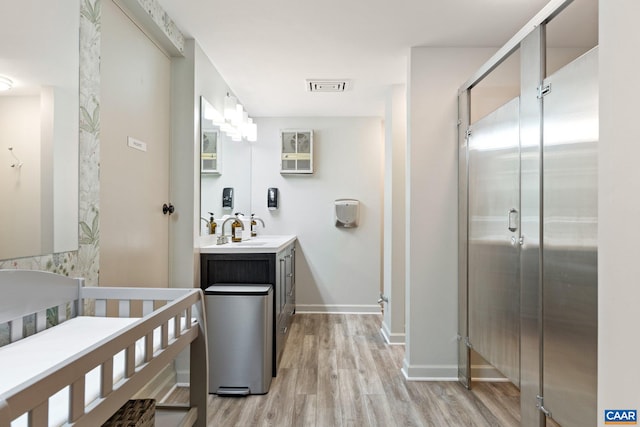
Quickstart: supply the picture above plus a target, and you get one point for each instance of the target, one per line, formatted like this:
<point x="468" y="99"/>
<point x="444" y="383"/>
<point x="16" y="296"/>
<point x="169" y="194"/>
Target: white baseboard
<point x="390" y="338"/>
<point x="479" y="373"/>
<point x="430" y="372"/>
<point x="338" y="308"/>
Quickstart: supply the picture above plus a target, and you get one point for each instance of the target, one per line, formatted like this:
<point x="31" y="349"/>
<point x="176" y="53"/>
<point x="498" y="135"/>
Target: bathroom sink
<point x="259" y="244"/>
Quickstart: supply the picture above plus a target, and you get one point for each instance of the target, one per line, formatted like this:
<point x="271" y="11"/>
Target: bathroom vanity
<point x="260" y="260"/>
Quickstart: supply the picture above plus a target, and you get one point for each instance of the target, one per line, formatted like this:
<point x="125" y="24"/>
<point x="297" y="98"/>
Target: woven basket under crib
<point x="134" y="413"/>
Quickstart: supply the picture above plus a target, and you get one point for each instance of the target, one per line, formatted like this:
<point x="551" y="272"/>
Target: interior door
<point x="570" y="257"/>
<point x="134" y="154"/>
<point x="494" y="268"/>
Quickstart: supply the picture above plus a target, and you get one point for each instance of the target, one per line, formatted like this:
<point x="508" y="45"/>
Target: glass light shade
<point x="236" y="119"/>
<point x="252" y="132"/>
<point x="236" y="136"/>
<point x="230" y="103"/>
<point x="216" y="117"/>
<point x="227" y="128"/>
<point x="244" y="123"/>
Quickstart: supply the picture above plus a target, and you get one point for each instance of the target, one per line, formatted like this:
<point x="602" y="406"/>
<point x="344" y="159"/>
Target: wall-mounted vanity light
<point x="5" y="83"/>
<point x="237" y="123"/>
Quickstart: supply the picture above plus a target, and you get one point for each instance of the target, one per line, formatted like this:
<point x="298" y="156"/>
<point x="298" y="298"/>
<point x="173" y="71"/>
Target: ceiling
<point x="266" y="49"/>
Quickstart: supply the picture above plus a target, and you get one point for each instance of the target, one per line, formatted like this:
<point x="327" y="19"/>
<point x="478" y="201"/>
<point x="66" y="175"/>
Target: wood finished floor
<point x="336" y="370"/>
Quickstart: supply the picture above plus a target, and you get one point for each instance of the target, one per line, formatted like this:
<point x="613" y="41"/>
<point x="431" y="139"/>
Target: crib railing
<point x="183" y="309"/>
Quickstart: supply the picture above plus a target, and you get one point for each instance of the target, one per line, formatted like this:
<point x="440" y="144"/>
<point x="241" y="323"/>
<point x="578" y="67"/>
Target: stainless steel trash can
<point x="240" y="328"/>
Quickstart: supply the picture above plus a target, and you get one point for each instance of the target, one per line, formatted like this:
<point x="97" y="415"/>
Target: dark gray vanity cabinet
<point x="276" y="269"/>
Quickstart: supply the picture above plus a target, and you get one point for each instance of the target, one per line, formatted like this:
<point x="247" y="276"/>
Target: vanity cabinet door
<point x="290" y="284"/>
<point x="281" y="273"/>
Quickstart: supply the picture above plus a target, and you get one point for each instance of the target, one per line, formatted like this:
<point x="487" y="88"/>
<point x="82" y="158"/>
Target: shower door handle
<point x="513" y="219"/>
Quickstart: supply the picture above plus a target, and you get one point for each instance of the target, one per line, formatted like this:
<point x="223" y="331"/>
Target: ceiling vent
<point x="325" y="85"/>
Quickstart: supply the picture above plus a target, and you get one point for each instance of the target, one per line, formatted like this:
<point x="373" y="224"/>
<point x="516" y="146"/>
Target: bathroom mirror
<point x="232" y="170"/>
<point x="39" y="54"/>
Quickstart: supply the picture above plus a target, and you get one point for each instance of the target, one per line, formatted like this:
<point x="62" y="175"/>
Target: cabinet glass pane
<point x="208" y="164"/>
<point x="289" y="165"/>
<point x="289" y="142"/>
<point x="209" y="153"/>
<point x="209" y="140"/>
<point x="304" y="165"/>
<point x="304" y="143"/>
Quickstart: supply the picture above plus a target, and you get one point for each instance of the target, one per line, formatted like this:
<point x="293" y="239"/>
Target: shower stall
<point x="528" y="228"/>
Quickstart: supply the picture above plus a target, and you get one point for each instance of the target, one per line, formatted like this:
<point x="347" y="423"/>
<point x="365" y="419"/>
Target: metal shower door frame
<point x="531" y="40"/>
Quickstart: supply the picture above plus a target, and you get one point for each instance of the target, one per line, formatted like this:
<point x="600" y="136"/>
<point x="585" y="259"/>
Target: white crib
<point x="81" y="371"/>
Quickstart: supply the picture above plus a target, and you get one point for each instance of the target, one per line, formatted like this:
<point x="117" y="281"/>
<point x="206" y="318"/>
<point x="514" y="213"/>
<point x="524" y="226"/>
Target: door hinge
<point x="540" y="406"/>
<point x="468" y="133"/>
<point x="543" y="90"/>
<point x="459" y="122"/>
<point x="467" y="342"/>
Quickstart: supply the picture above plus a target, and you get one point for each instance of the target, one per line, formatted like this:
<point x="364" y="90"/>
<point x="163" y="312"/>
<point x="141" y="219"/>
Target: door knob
<point x="168" y="209"/>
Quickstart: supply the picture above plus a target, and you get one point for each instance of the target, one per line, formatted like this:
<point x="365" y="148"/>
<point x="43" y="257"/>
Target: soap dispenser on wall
<point x="227" y="198"/>
<point x="272" y="198"/>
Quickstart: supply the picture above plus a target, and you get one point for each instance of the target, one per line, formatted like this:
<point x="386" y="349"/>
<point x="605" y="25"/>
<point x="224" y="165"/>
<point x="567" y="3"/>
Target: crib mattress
<point x="26" y="358"/>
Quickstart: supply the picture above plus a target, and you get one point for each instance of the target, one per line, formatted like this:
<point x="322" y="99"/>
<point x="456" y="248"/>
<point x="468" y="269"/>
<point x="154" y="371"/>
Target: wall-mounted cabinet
<point x="209" y="155"/>
<point x="209" y="140"/>
<point x="297" y="151"/>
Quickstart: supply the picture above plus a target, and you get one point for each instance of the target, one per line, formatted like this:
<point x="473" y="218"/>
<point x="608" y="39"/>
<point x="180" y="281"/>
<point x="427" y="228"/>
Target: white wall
<point x="193" y="76"/>
<point x="619" y="208"/>
<point x="393" y="324"/>
<point x="435" y="74"/>
<point x="65" y="169"/>
<point x="235" y="172"/>
<point x="336" y="269"/>
<point x="235" y="157"/>
<point x="20" y="188"/>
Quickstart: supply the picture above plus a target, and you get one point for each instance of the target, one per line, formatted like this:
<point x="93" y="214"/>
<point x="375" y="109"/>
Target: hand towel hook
<point x="18" y="163"/>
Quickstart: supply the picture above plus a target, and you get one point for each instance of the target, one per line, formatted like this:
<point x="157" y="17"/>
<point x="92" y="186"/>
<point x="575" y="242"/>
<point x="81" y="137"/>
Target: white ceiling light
<point x="5" y="83"/>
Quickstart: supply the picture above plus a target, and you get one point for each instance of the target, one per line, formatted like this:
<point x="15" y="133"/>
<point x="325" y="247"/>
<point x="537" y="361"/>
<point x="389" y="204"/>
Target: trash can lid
<point x="237" y="289"/>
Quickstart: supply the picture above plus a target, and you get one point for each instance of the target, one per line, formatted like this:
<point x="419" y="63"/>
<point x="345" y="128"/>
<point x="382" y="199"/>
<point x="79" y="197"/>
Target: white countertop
<point x="256" y="245"/>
